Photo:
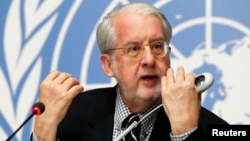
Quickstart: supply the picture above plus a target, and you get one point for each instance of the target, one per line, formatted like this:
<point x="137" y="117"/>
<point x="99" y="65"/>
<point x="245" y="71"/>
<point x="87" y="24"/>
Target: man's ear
<point x="106" y="64"/>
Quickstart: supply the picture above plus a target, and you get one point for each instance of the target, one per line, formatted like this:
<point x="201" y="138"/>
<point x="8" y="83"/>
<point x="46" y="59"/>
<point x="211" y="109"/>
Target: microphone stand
<point x="37" y="109"/>
<point x="13" y="134"/>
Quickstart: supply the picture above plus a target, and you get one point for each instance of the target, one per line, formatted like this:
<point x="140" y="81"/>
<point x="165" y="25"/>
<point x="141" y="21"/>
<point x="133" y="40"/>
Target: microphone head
<point x="38" y="108"/>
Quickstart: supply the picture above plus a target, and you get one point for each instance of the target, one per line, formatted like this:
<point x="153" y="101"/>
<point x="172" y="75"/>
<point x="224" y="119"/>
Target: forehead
<point x="137" y="27"/>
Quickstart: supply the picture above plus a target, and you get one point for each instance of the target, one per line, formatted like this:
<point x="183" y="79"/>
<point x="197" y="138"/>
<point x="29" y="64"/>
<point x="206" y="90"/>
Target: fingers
<point x="170" y="76"/>
<point x="73" y="86"/>
<point x="167" y="80"/>
<point x="61" y="77"/>
<point x="59" y="86"/>
<point x="52" y="75"/>
<point x="190" y="77"/>
<point x="180" y="100"/>
<point x="65" y="80"/>
<point x="57" y="91"/>
<point x="180" y="74"/>
<point x="58" y="77"/>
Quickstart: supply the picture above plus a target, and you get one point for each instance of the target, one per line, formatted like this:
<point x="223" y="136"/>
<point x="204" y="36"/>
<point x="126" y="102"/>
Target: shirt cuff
<point x="34" y="137"/>
<point x="183" y="136"/>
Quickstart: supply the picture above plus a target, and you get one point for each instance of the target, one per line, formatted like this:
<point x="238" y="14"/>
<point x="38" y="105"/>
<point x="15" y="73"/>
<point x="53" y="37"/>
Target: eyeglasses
<point x="135" y="51"/>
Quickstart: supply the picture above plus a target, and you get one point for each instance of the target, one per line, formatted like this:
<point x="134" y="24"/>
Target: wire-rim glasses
<point x="135" y="50"/>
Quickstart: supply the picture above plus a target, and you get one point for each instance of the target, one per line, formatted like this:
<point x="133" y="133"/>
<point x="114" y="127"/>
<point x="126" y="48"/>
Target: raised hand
<point x="181" y="100"/>
<point x="57" y="92"/>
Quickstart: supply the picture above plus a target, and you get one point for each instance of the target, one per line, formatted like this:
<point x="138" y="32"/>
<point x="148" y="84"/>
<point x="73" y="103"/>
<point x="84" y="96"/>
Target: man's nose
<point x="147" y="56"/>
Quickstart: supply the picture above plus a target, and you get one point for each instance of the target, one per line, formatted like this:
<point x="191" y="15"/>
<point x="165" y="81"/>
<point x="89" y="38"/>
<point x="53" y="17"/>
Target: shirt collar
<point x="122" y="111"/>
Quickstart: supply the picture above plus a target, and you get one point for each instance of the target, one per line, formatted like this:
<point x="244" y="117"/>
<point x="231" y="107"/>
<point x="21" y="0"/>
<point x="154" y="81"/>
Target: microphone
<point x="37" y="109"/>
<point x="202" y="82"/>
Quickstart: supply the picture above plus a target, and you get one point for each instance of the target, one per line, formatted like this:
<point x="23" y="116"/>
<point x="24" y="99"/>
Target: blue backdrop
<point x="39" y="36"/>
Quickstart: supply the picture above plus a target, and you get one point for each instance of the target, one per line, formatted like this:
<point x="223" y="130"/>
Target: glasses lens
<point x="166" y="49"/>
<point x="133" y="50"/>
<point x="157" y="48"/>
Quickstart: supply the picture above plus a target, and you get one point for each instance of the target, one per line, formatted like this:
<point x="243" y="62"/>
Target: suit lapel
<point x="103" y="126"/>
<point x="161" y="128"/>
<point x="101" y="120"/>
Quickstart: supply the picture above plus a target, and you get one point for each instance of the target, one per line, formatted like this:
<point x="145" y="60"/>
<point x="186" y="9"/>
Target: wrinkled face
<point x="139" y="79"/>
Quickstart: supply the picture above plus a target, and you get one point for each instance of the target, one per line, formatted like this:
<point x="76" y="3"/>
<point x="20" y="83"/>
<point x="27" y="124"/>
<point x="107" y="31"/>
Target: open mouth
<point x="150" y="77"/>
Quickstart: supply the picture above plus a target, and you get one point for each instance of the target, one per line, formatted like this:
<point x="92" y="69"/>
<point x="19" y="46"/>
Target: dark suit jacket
<point x="90" y="118"/>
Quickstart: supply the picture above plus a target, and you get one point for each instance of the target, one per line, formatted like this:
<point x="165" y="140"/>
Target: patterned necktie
<point x="134" y="135"/>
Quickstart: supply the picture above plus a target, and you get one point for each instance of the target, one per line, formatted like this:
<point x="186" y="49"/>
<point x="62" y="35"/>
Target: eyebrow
<point x="150" y="41"/>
